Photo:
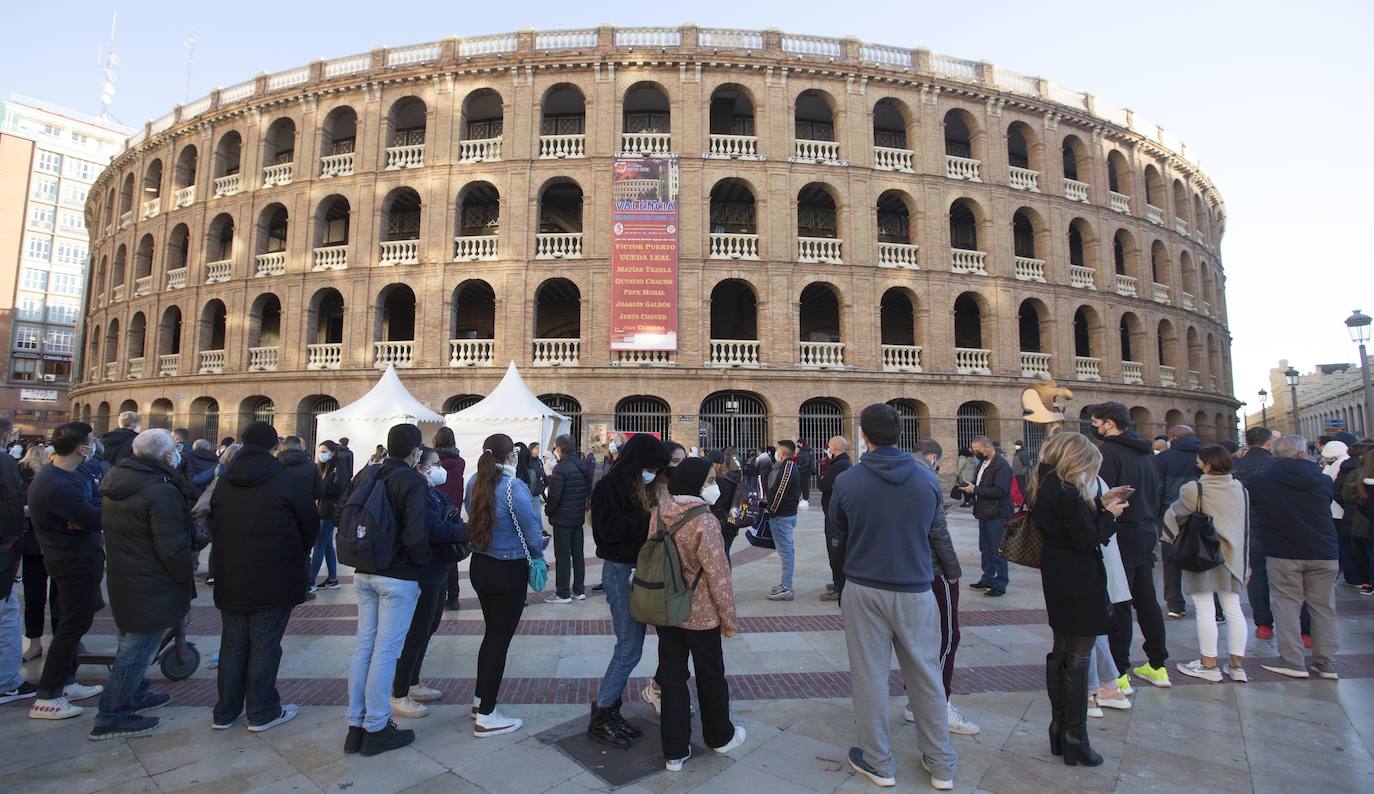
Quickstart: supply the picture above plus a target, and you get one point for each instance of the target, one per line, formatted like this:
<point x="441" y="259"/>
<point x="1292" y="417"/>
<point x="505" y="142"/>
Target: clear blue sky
<point x="1273" y="97"/>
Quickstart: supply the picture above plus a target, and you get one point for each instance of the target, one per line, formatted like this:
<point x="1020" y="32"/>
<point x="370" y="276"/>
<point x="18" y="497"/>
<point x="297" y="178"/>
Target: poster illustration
<point x="644" y="276"/>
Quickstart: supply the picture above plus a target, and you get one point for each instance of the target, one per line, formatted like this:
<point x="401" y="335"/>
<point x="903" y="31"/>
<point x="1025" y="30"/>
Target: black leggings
<point x="429" y="611"/>
<point x="40" y="592"/>
<point x="500" y="586"/>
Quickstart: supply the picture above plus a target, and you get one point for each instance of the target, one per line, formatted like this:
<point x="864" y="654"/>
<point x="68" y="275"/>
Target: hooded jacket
<point x="702" y="548"/>
<point x="454" y="464"/>
<point x="146" y="517"/>
<point x="262" y="526"/>
<point x="620" y="521"/>
<point x="119" y="444"/>
<point x="881" y="513"/>
<point x="302" y="470"/>
<point x="1128" y="459"/>
<point x="569" y="487"/>
<point x="198" y="461"/>
<point x="1289" y="516"/>
<point x="1176" y="465"/>
<point x="334" y="484"/>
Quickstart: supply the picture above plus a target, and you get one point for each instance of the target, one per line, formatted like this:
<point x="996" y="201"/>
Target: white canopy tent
<point x="366" y="421"/>
<point x="511" y="408"/>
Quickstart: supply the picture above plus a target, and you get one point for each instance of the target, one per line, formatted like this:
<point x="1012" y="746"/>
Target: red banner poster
<point x="644" y="253"/>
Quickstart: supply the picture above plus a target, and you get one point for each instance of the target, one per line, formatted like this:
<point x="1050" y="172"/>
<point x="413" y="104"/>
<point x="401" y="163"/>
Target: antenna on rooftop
<point x="109" y="63"/>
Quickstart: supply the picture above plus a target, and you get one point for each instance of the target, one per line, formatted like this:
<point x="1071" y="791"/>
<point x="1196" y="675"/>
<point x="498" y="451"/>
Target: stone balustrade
<point x="400" y="354"/>
<point x="1023" y="179"/>
<point x="742" y="353"/>
<point x="816" y="151"/>
<point x="168" y="365"/>
<point x="1125" y="285"/>
<point x="1028" y="269"/>
<point x="219" y="272"/>
<point x="471" y="352"/>
<point x="125" y="219"/>
<point x="212" y="362"/>
<point x="827" y="250"/>
<point x="143" y="285"/>
<point x="1035" y="365"/>
<point x="821" y="355"/>
<point x="972" y="361"/>
<point x="111" y="370"/>
<point x="970" y="262"/>
<point x="889" y="159"/>
<point x="1160" y="293"/>
<point x="1082" y="277"/>
<point x="1166" y="376"/>
<point x="558" y="147"/>
<point x="176" y="278"/>
<point x="152" y="207"/>
<point x="399" y="252"/>
<point x="733" y="146"/>
<point x="646" y="143"/>
<point x="400" y="157"/>
<point x="898" y="255"/>
<point x="332" y="165"/>
<point x="262" y="359"/>
<point x="476" y="248"/>
<point x="1120" y="203"/>
<point x="226" y="185"/>
<point x="277" y="175"/>
<point x="642" y="358"/>
<point x="962" y="168"/>
<point x="1187" y="298"/>
<point x="1087" y="368"/>
<point x="324" y="355"/>
<point x="1181" y="226"/>
<point x="331" y="257"/>
<point x="117" y="293"/>
<point x="135" y="368"/>
<point x="1075" y="190"/>
<point x="481" y="150"/>
<point x="1154" y="214"/>
<point x="1194" y="379"/>
<point x="184" y="197"/>
<point x="557" y="352"/>
<point x="734" y="246"/>
<point x="1132" y="372"/>
<point x="901" y="358"/>
<point x="270" y="264"/>
<point x="560" y="245"/>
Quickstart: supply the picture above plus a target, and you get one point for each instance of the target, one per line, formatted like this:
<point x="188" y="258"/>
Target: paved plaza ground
<point x="789" y="688"/>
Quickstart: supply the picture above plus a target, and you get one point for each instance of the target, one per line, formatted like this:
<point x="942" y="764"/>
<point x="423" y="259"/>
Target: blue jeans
<point x="994" y="567"/>
<point x="249" y="657"/>
<point x="385" y="608"/>
<point x="629" y="633"/>
<point x="127" y="685"/>
<point x="324" y="552"/>
<point x="11" y="642"/>
<point x="783" y="528"/>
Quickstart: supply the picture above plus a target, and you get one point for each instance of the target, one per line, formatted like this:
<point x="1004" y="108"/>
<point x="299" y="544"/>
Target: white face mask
<point x="437" y="476"/>
<point x="648" y="476"/>
<point x="711" y="493"/>
<point x="325" y="457"/>
<point x="612" y="448"/>
<point x="508" y="468"/>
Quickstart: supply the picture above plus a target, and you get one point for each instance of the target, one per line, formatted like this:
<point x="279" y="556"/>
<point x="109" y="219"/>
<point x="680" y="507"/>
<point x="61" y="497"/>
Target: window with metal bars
<point x="567" y="406"/>
<point x="909" y="419"/>
<point x="643" y="414"/>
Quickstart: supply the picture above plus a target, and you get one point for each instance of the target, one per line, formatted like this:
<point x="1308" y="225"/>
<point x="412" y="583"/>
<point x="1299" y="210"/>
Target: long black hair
<point x="482" y="506"/>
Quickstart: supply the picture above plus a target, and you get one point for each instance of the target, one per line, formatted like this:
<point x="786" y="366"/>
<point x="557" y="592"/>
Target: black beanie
<point x="688" y="477"/>
<point x="401" y="440"/>
<point x="261" y="434"/>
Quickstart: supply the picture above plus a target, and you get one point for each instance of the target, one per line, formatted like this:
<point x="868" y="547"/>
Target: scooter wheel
<point x="179" y="671"/>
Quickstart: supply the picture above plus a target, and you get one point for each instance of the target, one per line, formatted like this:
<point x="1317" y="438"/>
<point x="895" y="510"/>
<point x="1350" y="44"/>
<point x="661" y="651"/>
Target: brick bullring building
<point x="858" y="223"/>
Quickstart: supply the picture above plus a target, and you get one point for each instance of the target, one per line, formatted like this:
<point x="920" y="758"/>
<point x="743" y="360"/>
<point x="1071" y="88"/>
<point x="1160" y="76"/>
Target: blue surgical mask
<point x="648" y="476"/>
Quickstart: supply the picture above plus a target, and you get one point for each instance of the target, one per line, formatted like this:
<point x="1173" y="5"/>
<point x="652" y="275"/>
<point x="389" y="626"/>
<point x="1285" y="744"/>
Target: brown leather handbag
<point x="1022" y="541"/>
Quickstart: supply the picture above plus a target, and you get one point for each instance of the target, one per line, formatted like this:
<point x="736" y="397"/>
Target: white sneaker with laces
<point x="738" y="740"/>
<point x="580" y="597"/>
<point x="407" y="707"/>
<point x="939" y="784"/>
<point x="495" y="724"/>
<point x="960" y="724"/>
<point x="555" y="599"/>
<point x="675" y="765"/>
<point x="423" y="694"/>
<point x="288" y="713"/>
<point x="1196" y="669"/>
<point x="1094" y="710"/>
<point x="54" y="709"/>
<point x="1236" y="674"/>
<point x="1113" y="699"/>
<point x="81" y="691"/>
<point x="781" y="593"/>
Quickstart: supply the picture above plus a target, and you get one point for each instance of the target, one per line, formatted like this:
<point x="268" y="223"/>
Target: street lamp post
<point x="1291" y="375"/>
<point x="1358" y="325"/>
<point x="1264" y="409"/>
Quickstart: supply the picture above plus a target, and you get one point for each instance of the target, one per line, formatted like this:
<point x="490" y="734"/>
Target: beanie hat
<point x="260" y="434"/>
<point x="401" y="440"/>
<point x="716" y="456"/>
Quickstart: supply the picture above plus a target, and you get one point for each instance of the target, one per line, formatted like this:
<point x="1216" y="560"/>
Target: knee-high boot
<point x="1075" y="698"/>
<point x="1054" y="686"/>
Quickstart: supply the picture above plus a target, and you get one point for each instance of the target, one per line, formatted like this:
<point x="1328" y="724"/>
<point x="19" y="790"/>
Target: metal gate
<point x="570" y="408"/>
<point x="460" y="402"/>
<point x="643" y="414"/>
<point x="209" y="428"/>
<point x="1085" y="422"/>
<point x="819" y="420"/>
<point x="734" y="420"/>
<point x="306" y="431"/>
<point x="264" y="411"/>
<point x="910" y="420"/>
<point x="970" y="423"/>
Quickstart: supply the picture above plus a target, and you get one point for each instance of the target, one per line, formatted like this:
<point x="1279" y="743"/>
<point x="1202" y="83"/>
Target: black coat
<point x="569" y="488"/>
<point x="303" y="472"/>
<point x="1176" y="465"/>
<point x="1071" y="572"/>
<point x="199" y="461"/>
<point x="333" y="485"/>
<point x="146" y="516"/>
<point x="729" y="486"/>
<point x="1128" y="459"/>
<point x="119" y="444"/>
<point x="620" y="521"/>
<point x="992" y="493"/>
<point x="262" y="525"/>
<point x="826" y="482"/>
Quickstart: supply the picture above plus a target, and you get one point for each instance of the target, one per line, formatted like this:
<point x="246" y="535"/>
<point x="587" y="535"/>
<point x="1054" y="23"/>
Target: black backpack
<point x="367" y="528"/>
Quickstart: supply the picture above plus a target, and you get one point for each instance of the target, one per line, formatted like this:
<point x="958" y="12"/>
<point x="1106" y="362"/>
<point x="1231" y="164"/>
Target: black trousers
<point x="713" y="693"/>
<point x="500" y="586"/>
<point x="429" y="611"/>
<point x="570" y="569"/>
<point x="452" y="582"/>
<point x="1173" y="581"/>
<point x="78" y="599"/>
<point x="836" y="556"/>
<point x="1142" y="582"/>
<point x="40" y="592"/>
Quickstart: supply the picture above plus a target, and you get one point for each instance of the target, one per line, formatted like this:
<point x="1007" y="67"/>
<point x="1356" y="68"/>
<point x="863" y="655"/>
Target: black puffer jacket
<point x="1128" y="459"/>
<point x="1176" y="465"/>
<point x="146" y="517"/>
<point x="262" y="525"/>
<point x="119" y="444"/>
<point x="333" y="485"/>
<point x="303" y="472"/>
<point x="620" y="520"/>
<point x="569" y="487"/>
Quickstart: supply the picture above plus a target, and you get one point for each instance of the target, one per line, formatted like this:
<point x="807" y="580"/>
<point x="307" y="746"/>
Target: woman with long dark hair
<point x="333" y="485"/>
<point x="503" y="532"/>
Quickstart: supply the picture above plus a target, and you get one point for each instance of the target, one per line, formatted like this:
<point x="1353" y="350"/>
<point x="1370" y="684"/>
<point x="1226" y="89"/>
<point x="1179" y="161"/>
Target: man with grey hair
<point x="146" y="519"/>
<point x="119" y="442"/>
<point x="837" y="457"/>
<point x="1291" y="520"/>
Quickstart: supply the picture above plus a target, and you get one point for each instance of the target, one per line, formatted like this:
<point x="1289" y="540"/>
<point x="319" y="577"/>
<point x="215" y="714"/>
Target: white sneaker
<point x="960" y="724"/>
<point x="495" y="724"/>
<point x="472" y="710"/>
<point x="740" y="736"/>
<point x="81" y="692"/>
<point x="407" y="707"/>
<point x="803" y="504"/>
<point x="676" y="765"/>
<point x="55" y="709"/>
<point x="907" y="715"/>
<point x="423" y="694"/>
<point x="555" y="599"/>
<point x="1118" y="702"/>
<point x="781" y="593"/>
<point x="579" y="596"/>
<point x="939" y="784"/>
<point x="1237" y="674"/>
<point x="1093" y="709"/>
<point x="654" y="698"/>
<point x="288" y="713"/>
<point x="1196" y="669"/>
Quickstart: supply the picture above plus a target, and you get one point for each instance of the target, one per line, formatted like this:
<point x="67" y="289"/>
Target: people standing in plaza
<point x="1075" y="518"/>
<point x="782" y="497"/>
<point x="569" y="490"/>
<point x="202" y="458"/>
<point x="883" y="509"/>
<point x="334" y="485"/>
<point x="727" y="485"/>
<point x="12" y="530"/>
<point x="1176" y="465"/>
<point x="837" y="455"/>
<point x="119" y="442"/>
<point x="535" y="479"/>
<point x="1291" y="519"/>
<point x="1128" y="459"/>
<point x="146" y="515"/>
<point x="1259" y="456"/>
<point x="990" y="488"/>
<point x="346" y="459"/>
<point x="503" y="533"/>
<point x="806" y="467"/>
<point x="452" y="488"/>
<point x="39" y="589"/>
<point x="1219" y="495"/>
<point x="1159" y="444"/>
<point x="386" y="584"/>
<point x="1354" y="562"/>
<point x="262" y="526"/>
<point x="1021" y="469"/>
<point x="65" y="511"/>
<point x="1360" y="501"/>
<point x="702" y="556"/>
<point x="621" y="505"/>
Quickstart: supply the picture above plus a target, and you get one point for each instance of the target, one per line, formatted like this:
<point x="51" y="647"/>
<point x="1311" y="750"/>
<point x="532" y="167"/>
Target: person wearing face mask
<point x="991" y="492"/>
<point x="726" y="484"/>
<point x="445" y="529"/>
<point x="452" y="487"/>
<point x="333" y="486"/>
<point x="782" y="496"/>
<point x="837" y="453"/>
<point x="568" y="493"/>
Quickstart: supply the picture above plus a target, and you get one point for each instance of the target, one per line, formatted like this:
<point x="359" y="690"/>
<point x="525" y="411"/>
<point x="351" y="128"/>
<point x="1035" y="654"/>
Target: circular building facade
<point x="857" y="223"/>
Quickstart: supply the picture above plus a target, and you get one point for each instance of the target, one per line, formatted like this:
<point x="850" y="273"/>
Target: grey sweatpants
<point x="1292" y="582"/>
<point x="876" y="622"/>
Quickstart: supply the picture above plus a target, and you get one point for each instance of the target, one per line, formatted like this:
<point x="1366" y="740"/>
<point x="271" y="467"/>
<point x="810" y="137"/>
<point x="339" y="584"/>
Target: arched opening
<point x="889" y="131"/>
<point x="1202" y="219"/>
<point x="126" y="197"/>
<point x="1132" y="340"/>
<point x="325" y="323"/>
<point x="169" y="332"/>
<point x="395" y="314"/>
<point x="184" y="175"/>
<point x="1087" y="343"/>
<point x="563" y="113"/>
<point x="143" y="263"/>
<point x="1173" y="417"/>
<point x="332" y="220"/>
<point x="819" y="314"/>
<point x="256" y="408"/>
<point x="473" y="324"/>
<point x="401" y="215"/>
<point x="1180" y="206"/>
<point x="1195" y="354"/>
<point x="909" y="415"/>
<point x="212" y="325"/>
<point x="815" y="120"/>
<point x="460" y="402"/>
<point x="959" y="127"/>
<point x="1021" y="154"/>
<point x="734" y="315"/>
<point x="109" y="210"/>
<point x="560" y="221"/>
<point x="160" y="414"/>
<point x="1034" y="333"/>
<point x="338" y="142"/>
<point x="1190" y="282"/>
<point x="152" y="185"/>
<point x="102" y="419"/>
<point x="279" y="149"/>
<point x="264" y="324"/>
<point x="963" y="225"/>
<point x="405" y="133"/>
<point x="732" y="116"/>
<point x="1154" y="187"/>
<point x="643" y="414"/>
<point x="894" y="219"/>
<point x="228" y="158"/>
<point x="1143" y="421"/>
<point x="272" y="228"/>
<point x="178" y="249"/>
<point x="569" y="407"/>
<point x="138" y="337"/>
<point x="1203" y="427"/>
<point x="1118" y="174"/>
<point x="1023" y="242"/>
<point x="101" y="275"/>
<point x="818" y="420"/>
<point x="1083" y="331"/>
<point x="557" y="310"/>
<point x="112" y="341"/>
<point x="646" y="120"/>
<point x="897" y="318"/>
<point x="734" y="421"/>
<point x="817" y="221"/>
<point x="219" y="241"/>
<point x="1166" y="347"/>
<point x="733" y="212"/>
<point x="204" y="419"/>
<point x="968" y="321"/>
<point x="1080" y="237"/>
<point x="308" y="412"/>
<point x="1159" y="268"/>
<point x="1075" y="155"/>
<point x="478" y="222"/>
<point x="973" y="419"/>
<point x="482" y="120"/>
<point x="121" y="266"/>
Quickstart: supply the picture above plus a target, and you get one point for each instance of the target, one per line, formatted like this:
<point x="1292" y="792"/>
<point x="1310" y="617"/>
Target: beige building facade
<point x="1330" y="399"/>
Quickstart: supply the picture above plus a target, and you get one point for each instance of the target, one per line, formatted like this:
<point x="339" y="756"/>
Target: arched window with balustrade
<point x="963" y="145"/>
<point x="646" y="120"/>
<point x="971" y="357"/>
<point x="121" y="266"/>
<point x="219" y="248"/>
<point x="814" y="127"/>
<point x="279" y="152"/>
<point x="818" y="224"/>
<point x="178" y="255"/>
<point x="820" y="327"/>
<point x="152" y="189"/>
<point x="270" y="253"/>
<point x="126" y="198"/>
<point x="563" y="123"/>
<point x="401" y="227"/>
<point x="966" y="226"/>
<point x="896" y="244"/>
<point x="891" y="142"/>
<point x="1131" y="334"/>
<point x="394" y="332"/>
<point x="169" y="335"/>
<point x="1118" y="174"/>
<point x="643" y="414"/>
<point x="559" y="234"/>
<point x="1030" y="244"/>
<point x="1181" y="204"/>
<point x="478" y="223"/>
<point x="324" y="329"/>
<point x="1075" y="161"/>
<point x="264" y="333"/>
<point x="213" y="318"/>
<point x="112" y="343"/>
<point x="184" y="175"/>
<point x="481" y="124"/>
<point x="732" y="121"/>
<point x="1087" y="343"/>
<point x="405" y="133"/>
<point x="734" y="334"/>
<point x="557" y="323"/>
<point x="143" y="265"/>
<point x="1035" y="334"/>
<point x="338" y="142"/>
<point x="1154" y="187"/>
<point x="734" y="232"/>
<point x="228" y="161"/>
<point x="1023" y="157"/>
<point x="472" y="324"/>
<point x="899" y="333"/>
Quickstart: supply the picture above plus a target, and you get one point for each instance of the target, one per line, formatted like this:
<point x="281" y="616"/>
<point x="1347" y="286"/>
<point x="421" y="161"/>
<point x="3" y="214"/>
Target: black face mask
<point x="980" y="455"/>
<point x="1097" y="434"/>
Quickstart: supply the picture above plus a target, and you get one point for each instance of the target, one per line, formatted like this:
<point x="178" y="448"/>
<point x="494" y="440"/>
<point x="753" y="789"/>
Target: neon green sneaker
<point x="1124" y="684"/>
<point x="1155" y="675"/>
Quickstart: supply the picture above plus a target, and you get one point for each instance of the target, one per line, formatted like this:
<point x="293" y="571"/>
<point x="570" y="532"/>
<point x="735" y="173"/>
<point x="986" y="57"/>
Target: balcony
<point x="470" y="352"/>
<point x="898" y="255"/>
<point x="399" y="157"/>
<point x="117" y="294"/>
<point x="1075" y="190"/>
<point x="888" y="159"/>
<point x="734" y="246"/>
<point x="825" y="250"/>
<point x="558" y="147"/>
<point x="176" y="279"/>
<point x="398" y="354"/>
<point x="642" y="358"/>
<point x="134" y="371"/>
<point x="646" y="143"/>
<point x="1187" y="298"/>
<point x="1120" y="203"/>
<point x="1159" y="293"/>
<point x="331" y="257"/>
<point x="743" y="353"/>
<point x="815" y="151"/>
<point x="1028" y="269"/>
<point x="111" y="370"/>
<point x="95" y="374"/>
<point x="1087" y="368"/>
<point x="478" y="248"/>
<point x="1035" y="365"/>
<point x="125" y="219"/>
<point x="821" y="355"/>
<point x="1082" y="277"/>
<point x="1194" y="379"/>
<point x="1166" y="376"/>
<point x="399" y="252"/>
<point x="152" y="207"/>
<point x="143" y="285"/>
<point x="481" y="150"/>
<point x="1212" y="382"/>
<point x="1200" y="237"/>
<point x="327" y="355"/>
<point x="1125" y="285"/>
<point x="262" y="359"/>
<point x="972" y="361"/>
<point x="1023" y="179"/>
<point x="557" y="352"/>
<point x="901" y="358"/>
<point x="277" y="175"/>
<point x="745" y="147"/>
<point x="332" y="165"/>
<point x="184" y="197"/>
<point x="272" y="264"/>
<point x="218" y="272"/>
<point x="226" y="185"/>
<point x="561" y="245"/>
<point x="1154" y="214"/>
<point x="969" y="262"/>
<point x="1132" y="372"/>
<point x="211" y="362"/>
<point x="1207" y="308"/>
<point x="962" y="168"/>
<point x="168" y="364"/>
<point x="1181" y="226"/>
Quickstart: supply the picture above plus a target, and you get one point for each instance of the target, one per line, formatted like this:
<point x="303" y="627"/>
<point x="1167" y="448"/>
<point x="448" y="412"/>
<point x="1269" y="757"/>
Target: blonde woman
<point x="1075" y="522"/>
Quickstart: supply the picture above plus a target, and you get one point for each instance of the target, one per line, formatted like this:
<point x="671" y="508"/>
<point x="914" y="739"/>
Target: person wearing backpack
<point x="384" y="535"/>
<point x="569" y="487"/>
<point x="694" y="535"/>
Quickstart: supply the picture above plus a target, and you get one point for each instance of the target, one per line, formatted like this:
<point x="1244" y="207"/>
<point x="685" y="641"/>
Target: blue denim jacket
<point x="504" y="544"/>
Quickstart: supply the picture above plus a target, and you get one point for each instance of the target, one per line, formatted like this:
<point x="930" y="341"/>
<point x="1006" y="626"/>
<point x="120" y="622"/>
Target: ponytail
<point x="482" y="502"/>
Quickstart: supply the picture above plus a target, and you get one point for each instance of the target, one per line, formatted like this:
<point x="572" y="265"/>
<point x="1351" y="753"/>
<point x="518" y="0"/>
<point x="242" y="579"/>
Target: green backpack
<point x="661" y="595"/>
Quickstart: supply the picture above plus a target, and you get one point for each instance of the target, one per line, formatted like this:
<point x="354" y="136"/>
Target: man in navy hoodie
<point x="881" y="512"/>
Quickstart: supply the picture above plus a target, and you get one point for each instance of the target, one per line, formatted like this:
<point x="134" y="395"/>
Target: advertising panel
<point x="644" y="284"/>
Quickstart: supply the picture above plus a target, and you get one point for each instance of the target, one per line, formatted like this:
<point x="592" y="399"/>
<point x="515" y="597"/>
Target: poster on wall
<point x="644" y="289"/>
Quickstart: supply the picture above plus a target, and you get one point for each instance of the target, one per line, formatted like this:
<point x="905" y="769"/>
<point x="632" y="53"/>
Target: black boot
<point x="1075" y="697"/>
<point x="603" y="730"/>
<point x="1054" y="686"/>
<point x="451" y="603"/>
<point x="623" y="725"/>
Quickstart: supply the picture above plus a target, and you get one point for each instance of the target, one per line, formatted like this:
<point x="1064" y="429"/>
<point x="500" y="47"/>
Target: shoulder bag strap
<point x="1199" y="496"/>
<point x="510" y="505"/>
